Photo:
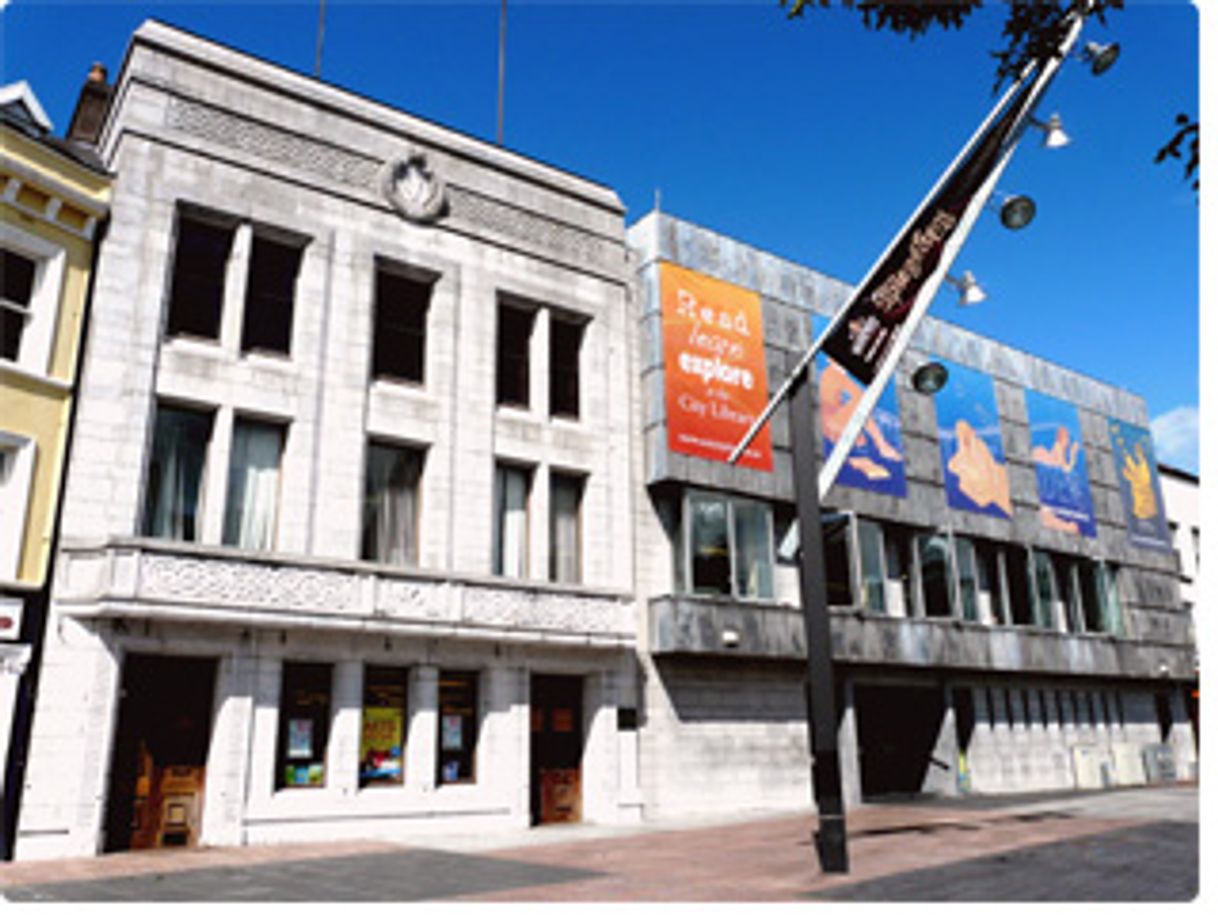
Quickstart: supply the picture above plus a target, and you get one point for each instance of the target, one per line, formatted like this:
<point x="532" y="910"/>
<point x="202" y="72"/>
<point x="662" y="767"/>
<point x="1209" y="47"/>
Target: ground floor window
<point x="458" y="727"/>
<point x="304" y="725"/>
<point x="382" y="741"/>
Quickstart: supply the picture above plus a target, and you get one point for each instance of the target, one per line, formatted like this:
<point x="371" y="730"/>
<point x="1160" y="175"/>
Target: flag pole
<point x="321" y="36"/>
<point x="502" y="68"/>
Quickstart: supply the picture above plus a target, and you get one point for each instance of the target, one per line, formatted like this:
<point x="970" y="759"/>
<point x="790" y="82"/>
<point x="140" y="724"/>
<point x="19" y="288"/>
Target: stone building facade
<point x="1017" y="696"/>
<point x="335" y="563"/>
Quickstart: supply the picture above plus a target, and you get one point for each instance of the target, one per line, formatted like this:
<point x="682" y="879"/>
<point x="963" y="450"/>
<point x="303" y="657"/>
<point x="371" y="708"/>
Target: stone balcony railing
<point x="686" y="625"/>
<point x="173" y="581"/>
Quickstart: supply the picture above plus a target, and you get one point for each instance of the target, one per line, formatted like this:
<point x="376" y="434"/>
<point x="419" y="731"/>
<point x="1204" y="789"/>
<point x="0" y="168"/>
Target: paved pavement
<point x="1132" y="845"/>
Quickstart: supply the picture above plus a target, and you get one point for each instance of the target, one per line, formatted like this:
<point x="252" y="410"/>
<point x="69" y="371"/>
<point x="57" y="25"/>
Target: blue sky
<point x="811" y="138"/>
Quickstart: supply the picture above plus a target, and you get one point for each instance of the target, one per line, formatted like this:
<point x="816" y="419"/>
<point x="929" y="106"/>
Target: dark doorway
<point x="160" y="753"/>
<point x="897" y="731"/>
<point x="556" y="748"/>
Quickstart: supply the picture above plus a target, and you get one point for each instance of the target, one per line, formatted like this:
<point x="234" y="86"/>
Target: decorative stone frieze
<point x="231" y="582"/>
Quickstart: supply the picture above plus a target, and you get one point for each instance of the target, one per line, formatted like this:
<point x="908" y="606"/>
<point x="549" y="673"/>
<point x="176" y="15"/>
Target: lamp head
<point x="1101" y="57"/>
<point x="930" y="378"/>
<point x="1017" y="212"/>
<point x="1055" y="134"/>
<point x="971" y="291"/>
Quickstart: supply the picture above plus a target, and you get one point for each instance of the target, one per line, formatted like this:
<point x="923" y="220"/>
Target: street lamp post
<point x="868" y="335"/>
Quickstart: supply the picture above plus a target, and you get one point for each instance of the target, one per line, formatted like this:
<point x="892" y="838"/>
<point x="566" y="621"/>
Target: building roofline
<point x="157" y="33"/>
<point x="1178" y="472"/>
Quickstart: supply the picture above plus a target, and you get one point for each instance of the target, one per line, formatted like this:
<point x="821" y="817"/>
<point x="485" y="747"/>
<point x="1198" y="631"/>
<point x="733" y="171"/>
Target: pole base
<point x="830" y="841"/>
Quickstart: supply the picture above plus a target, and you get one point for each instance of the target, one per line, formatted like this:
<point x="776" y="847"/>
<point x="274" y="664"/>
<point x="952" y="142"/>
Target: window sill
<point x="16" y="369"/>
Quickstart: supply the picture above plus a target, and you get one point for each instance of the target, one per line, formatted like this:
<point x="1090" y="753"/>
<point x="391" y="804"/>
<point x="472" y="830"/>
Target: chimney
<point x="91" y="108"/>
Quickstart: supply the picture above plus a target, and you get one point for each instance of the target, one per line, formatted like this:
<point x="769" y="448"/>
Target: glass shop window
<point x="200" y="262"/>
<point x="399" y="339"/>
<point x="382" y="740"/>
<point x="269" y="295"/>
<point x="458" y="738"/>
<point x="304" y="725"/>
<point x="935" y="570"/>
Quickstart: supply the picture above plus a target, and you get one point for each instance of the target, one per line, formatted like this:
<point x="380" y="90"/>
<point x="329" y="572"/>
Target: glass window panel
<point x="990" y="602"/>
<point x="304" y="725"/>
<point x="400" y="337"/>
<point x="566" y="496"/>
<point x="966" y="572"/>
<point x="512" y="358"/>
<point x="511" y="534"/>
<point x="391" y="504"/>
<point x="175" y="473"/>
<point x="710" y="554"/>
<point x="835" y="533"/>
<point x="1046" y="590"/>
<point x="197" y="290"/>
<point x="871" y="560"/>
<point x="382" y="743"/>
<point x="566" y="338"/>
<point x="1023" y="599"/>
<point x="457" y="738"/>
<point x="754" y="562"/>
<point x="253" y="485"/>
<point x="899" y="579"/>
<point x="269" y="296"/>
<point x="17" y="274"/>
<point x="934" y="569"/>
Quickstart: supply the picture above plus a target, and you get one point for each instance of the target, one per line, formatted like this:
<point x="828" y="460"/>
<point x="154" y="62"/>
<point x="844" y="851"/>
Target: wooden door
<point x="556" y="746"/>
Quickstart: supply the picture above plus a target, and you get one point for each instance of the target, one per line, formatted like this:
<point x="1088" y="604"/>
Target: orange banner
<point x="714" y="366"/>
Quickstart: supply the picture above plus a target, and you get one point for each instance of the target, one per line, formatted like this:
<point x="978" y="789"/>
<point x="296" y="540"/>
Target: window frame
<point x="411" y="275"/>
<point x="384" y="674"/>
<point x="283" y="735"/>
<point x="578" y="327"/>
<point x="201" y="501"/>
<point x="522" y="360"/>
<point x="470" y="747"/>
<point x="215" y="221"/>
<point x="498" y="494"/>
<point x="694" y="494"/>
<point x="283" y="428"/>
<point x="41" y="314"/>
<point x="283" y="241"/>
<point x="579" y="481"/>
<point x="16" y="483"/>
<point x="420" y="453"/>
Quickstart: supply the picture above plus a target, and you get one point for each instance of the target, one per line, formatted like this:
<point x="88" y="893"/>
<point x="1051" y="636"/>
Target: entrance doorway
<point x="556" y="748"/>
<point x="160" y="752"/>
<point x="898" y="727"/>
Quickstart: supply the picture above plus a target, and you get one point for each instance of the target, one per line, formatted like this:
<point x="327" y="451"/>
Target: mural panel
<point x="970" y="443"/>
<point x="1133" y="453"/>
<point x="1061" y="465"/>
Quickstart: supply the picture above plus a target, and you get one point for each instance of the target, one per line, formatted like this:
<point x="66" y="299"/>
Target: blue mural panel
<point x="1133" y="454"/>
<point x="1061" y="465"/>
<point x="970" y="443"/>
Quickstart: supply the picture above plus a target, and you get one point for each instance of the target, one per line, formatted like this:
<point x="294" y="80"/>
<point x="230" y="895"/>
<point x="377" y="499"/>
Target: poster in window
<point x="380" y="749"/>
<point x="970" y="443"/>
<point x="1133" y="456"/>
<point x="1061" y="465"/>
<point x="450" y="732"/>
<point x="300" y="738"/>
<point x="877" y="460"/>
<point x="714" y="366"/>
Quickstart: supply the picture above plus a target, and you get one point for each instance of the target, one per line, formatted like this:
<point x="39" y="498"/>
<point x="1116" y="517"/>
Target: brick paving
<point x="1098" y="849"/>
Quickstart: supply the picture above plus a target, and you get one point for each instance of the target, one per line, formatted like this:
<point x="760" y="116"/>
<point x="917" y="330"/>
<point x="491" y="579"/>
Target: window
<point x="200" y="261"/>
<point x="16" y="475"/>
<point x="253" y="485"/>
<point x="871" y="562"/>
<point x="1065" y="572"/>
<point x="730" y="547"/>
<point x="1023" y="606"/>
<point x="458" y="740"/>
<point x="512" y="358"/>
<point x="566" y="496"/>
<point x="566" y="337"/>
<point x="835" y="538"/>
<point x="1100" y="607"/>
<point x="399" y="339"/>
<point x="304" y="725"/>
<point x="391" y="504"/>
<point x="269" y="295"/>
<point x="511" y="530"/>
<point x="175" y="473"/>
<point x="966" y="575"/>
<point x="935" y="572"/>
<point x="16" y="294"/>
<point x="382" y="739"/>
<point x="991" y="599"/>
<point x="1046" y="590"/>
<point x="884" y="567"/>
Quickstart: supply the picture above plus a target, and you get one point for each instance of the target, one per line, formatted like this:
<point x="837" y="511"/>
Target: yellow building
<point x="53" y="202"/>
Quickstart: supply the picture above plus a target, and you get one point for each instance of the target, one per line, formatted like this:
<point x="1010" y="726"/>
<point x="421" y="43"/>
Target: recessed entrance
<point x="160" y="752"/>
<point x="556" y="748"/>
<point x="898" y="727"/>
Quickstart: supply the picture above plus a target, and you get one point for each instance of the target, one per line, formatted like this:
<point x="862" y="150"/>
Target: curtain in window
<point x="511" y="532"/>
<point x="564" y="528"/>
<point x="253" y="486"/>
<point x="175" y="470"/>
<point x="391" y="505"/>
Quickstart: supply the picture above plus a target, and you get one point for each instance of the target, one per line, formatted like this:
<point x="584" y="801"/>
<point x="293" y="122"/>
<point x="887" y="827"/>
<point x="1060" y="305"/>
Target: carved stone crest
<point x="413" y="189"/>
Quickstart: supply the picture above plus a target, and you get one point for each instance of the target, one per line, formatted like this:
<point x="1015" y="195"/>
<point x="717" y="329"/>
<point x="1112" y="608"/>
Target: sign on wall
<point x="1133" y="454"/>
<point x="877" y="459"/>
<point x="1061" y="465"/>
<point x="970" y="443"/>
<point x="714" y="366"/>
